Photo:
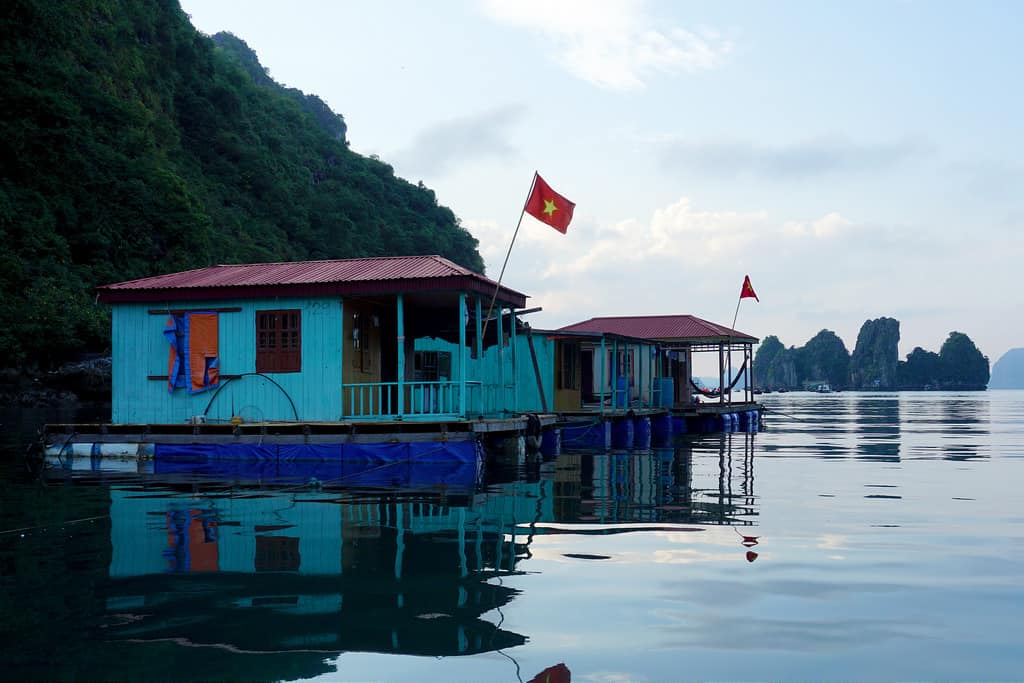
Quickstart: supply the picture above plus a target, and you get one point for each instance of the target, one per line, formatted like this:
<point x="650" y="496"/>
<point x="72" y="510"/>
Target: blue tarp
<point x="378" y="465"/>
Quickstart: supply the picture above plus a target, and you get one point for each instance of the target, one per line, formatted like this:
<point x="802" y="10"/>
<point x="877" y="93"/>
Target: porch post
<point x="462" y="356"/>
<point x="615" y="375"/>
<point x="750" y="371"/>
<point x="721" y="374"/>
<point x="602" y="362"/>
<point x="401" y="355"/>
<point x="515" y="358"/>
<point x="501" y="359"/>
<point x="479" y="339"/>
<point x="650" y="377"/>
<point x="341" y="306"/>
<point x="729" y="374"/>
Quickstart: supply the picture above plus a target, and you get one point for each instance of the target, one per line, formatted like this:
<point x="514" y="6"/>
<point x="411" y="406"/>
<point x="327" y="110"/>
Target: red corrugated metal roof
<point x="302" y="273"/>
<point x="427" y="271"/>
<point x="665" y="327"/>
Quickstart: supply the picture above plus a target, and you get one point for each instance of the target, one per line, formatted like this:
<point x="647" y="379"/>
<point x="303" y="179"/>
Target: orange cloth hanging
<point x="203" y="361"/>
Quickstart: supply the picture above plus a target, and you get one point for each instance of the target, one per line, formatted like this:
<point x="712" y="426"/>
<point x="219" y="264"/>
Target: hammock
<point x="715" y="393"/>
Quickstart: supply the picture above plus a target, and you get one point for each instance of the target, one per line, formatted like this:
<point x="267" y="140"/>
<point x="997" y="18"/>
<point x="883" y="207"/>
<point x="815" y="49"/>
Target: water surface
<point x="861" y="536"/>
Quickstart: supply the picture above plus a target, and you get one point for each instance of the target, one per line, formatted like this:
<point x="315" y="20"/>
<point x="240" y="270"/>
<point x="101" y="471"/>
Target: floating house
<point x="580" y="381"/>
<point x="392" y="359"/>
<point x="343" y="340"/>
<point x="675" y="339"/>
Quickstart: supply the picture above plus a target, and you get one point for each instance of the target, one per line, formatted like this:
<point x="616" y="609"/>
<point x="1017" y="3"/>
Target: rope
<point x="581" y="435"/>
<point x="45" y="526"/>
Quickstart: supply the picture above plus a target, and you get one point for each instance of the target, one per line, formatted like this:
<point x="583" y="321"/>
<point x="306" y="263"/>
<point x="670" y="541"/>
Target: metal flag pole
<point x="497" y="287"/>
<point x="733" y="327"/>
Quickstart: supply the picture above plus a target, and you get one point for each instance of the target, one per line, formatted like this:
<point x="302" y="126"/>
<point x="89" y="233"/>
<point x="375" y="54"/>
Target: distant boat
<point x="822" y="388"/>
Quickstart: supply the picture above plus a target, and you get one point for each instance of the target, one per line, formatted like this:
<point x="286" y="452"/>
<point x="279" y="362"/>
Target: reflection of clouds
<point x="802" y="635"/>
<point x="722" y="593"/>
<point x="833" y="542"/>
<point x="688" y="556"/>
<point x="611" y="676"/>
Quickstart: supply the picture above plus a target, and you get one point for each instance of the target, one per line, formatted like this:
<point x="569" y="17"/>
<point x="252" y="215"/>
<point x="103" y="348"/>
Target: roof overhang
<point x="464" y="283"/>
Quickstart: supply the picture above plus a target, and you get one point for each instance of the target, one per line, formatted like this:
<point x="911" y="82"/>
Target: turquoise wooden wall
<point x="140" y="350"/>
<point x="488" y="370"/>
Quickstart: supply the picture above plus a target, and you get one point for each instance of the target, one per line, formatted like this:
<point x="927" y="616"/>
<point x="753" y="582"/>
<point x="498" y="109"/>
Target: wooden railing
<point x="379" y="400"/>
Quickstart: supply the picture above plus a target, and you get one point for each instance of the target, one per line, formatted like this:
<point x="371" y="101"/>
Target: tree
<point x="773" y="365"/>
<point x="825" y="358"/>
<point x="131" y="145"/>
<point x="963" y="365"/>
<point x="922" y="369"/>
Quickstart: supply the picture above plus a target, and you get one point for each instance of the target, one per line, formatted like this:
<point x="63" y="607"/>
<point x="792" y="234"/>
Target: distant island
<point x="874" y="363"/>
<point x="1008" y="372"/>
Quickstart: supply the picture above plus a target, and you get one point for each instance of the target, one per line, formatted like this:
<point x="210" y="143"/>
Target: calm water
<point x="861" y="536"/>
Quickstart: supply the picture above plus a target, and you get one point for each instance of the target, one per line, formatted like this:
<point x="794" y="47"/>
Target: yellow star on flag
<point x="548" y="206"/>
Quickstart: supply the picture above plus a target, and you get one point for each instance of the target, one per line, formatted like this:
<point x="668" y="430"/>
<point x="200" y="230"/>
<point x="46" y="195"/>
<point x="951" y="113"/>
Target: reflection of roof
<point x="343" y="276"/>
<point x="662" y="327"/>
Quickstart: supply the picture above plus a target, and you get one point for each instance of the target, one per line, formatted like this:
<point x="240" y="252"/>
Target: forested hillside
<point x="132" y="145"/>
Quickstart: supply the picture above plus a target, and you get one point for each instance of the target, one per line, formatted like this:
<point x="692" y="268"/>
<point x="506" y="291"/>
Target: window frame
<point x="279" y="349"/>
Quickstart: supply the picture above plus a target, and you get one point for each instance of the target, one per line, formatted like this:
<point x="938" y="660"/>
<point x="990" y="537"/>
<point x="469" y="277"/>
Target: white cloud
<point x="682" y="257"/>
<point x="675" y="232"/>
<point x="612" y="43"/>
<point x="827" y="226"/>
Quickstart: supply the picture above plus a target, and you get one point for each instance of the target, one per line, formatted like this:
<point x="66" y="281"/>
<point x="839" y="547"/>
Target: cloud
<point x="612" y="44"/>
<point x="476" y="137"/>
<point x="675" y="232"/>
<point x="828" y="225"/>
<point x="600" y="269"/>
<point x="796" y="160"/>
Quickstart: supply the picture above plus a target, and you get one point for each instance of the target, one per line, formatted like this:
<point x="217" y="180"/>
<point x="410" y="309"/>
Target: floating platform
<point x="333" y="451"/>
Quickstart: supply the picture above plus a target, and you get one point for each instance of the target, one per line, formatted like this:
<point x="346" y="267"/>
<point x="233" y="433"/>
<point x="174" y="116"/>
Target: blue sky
<point x="857" y="160"/>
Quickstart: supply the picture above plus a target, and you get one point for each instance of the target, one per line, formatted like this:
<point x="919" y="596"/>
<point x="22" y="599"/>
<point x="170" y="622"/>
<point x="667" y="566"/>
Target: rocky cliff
<point x="876" y="355"/>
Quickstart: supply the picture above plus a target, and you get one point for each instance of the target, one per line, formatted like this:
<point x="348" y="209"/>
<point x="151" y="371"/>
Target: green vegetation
<point x="873" y="364"/>
<point x="132" y="145"/>
<point x="774" y="364"/>
<point x="824" y="360"/>
<point x="875" y="357"/>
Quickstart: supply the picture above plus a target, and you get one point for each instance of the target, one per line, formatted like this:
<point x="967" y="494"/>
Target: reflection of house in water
<point x="390" y="571"/>
<point x="285" y="571"/>
<point x="664" y="485"/>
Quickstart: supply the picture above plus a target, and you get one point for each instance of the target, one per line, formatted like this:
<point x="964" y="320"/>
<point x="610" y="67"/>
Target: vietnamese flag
<point x="548" y="206"/>
<point x="748" y="289"/>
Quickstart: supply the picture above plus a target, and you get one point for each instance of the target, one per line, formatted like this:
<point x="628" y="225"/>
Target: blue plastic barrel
<point x="621" y="392"/>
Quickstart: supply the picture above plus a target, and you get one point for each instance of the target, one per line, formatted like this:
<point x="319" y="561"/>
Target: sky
<point x="856" y="160"/>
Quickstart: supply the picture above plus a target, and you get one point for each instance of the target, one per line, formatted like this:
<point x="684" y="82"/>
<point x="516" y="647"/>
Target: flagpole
<point x="490" y="308"/>
<point x="736" y="314"/>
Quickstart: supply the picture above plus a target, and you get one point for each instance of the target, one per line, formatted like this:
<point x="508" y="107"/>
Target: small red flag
<point x="548" y="206"/>
<point x="748" y="289"/>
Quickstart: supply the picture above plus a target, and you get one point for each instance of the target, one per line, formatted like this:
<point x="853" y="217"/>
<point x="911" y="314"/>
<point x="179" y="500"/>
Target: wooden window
<point x="277" y="554"/>
<point x="279" y="341"/>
